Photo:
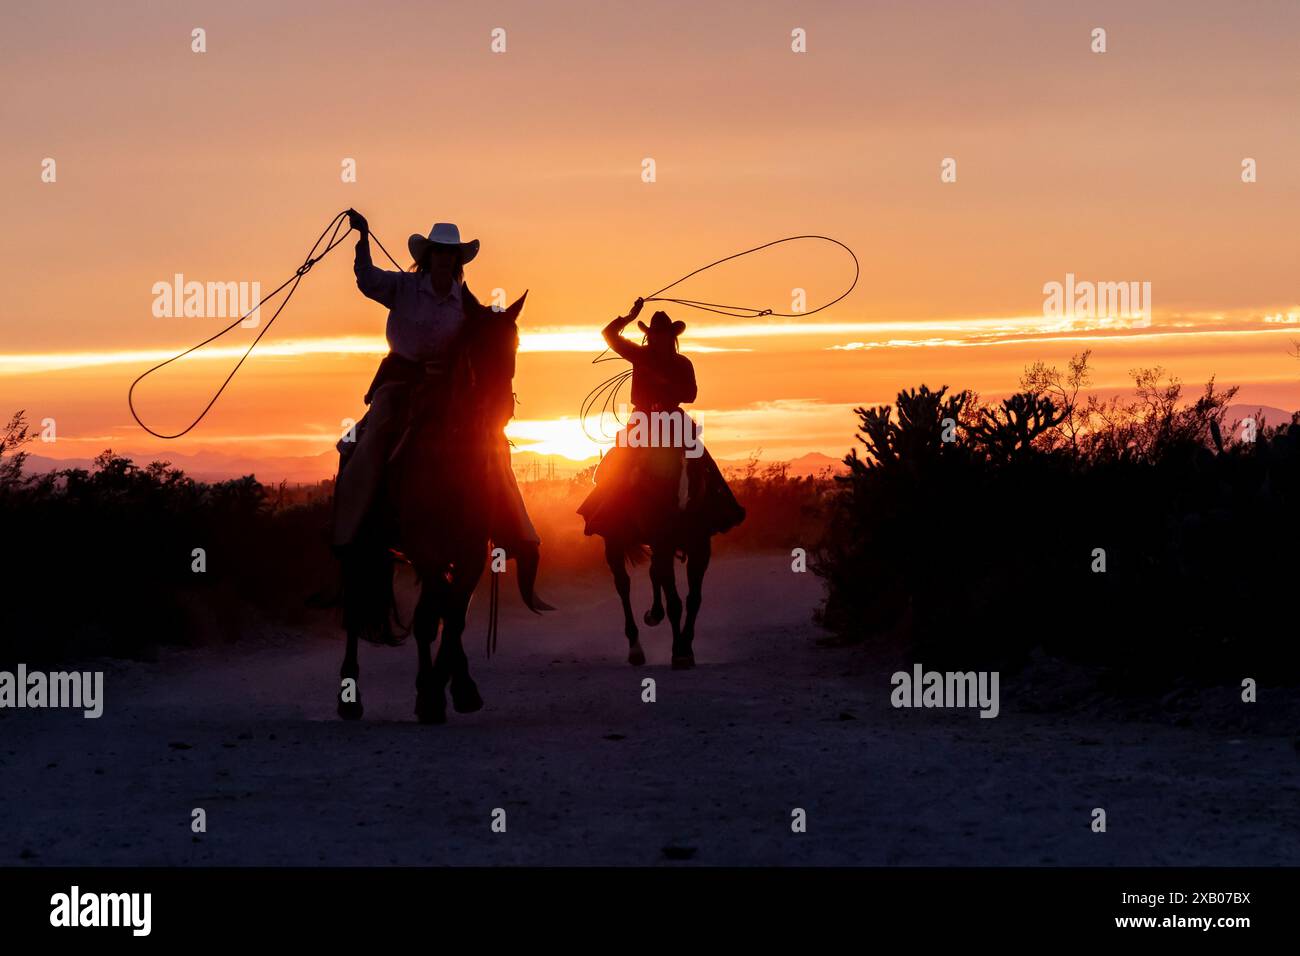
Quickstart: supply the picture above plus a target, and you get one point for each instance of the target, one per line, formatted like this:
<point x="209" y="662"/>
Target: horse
<point x="439" y="492"/>
<point x="637" y="521"/>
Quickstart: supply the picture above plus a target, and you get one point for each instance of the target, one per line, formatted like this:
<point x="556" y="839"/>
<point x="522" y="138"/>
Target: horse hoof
<point x="635" y="656"/>
<point x="431" y="707"/>
<point x="465" y="696"/>
<point x="684" y="662"/>
<point x="350" y="709"/>
<point x="653" y="616"/>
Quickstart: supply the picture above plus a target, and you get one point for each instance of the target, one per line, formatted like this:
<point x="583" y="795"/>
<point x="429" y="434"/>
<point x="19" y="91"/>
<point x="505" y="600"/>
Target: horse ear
<point x="513" y="310"/>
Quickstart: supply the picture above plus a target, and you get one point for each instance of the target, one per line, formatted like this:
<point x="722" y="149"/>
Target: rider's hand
<point x="358" y="222"/>
<point x="636" y="309"/>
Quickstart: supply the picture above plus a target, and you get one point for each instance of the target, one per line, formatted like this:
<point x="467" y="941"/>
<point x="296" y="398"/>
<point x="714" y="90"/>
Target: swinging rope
<point x="747" y="312"/>
<point x="291" y="283"/>
<point x="606" y="393"/>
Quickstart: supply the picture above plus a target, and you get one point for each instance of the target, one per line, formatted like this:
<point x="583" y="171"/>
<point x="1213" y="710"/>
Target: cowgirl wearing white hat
<point x="428" y="308"/>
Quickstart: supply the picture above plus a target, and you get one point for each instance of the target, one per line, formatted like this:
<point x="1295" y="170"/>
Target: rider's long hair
<point x="423" y="267"/>
<point x="677" y="339"/>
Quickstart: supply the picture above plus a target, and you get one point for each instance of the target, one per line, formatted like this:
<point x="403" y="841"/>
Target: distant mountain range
<point x="814" y="464"/>
<point x="1268" y="414"/>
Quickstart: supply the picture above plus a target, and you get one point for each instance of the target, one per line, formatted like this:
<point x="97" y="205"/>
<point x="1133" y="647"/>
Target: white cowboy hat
<point x="443" y="234"/>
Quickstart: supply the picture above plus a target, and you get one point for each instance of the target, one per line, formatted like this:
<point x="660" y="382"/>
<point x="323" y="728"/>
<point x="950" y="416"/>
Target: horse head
<point x="493" y="342"/>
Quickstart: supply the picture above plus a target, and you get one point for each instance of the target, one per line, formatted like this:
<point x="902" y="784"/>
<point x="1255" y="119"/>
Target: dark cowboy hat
<point x="660" y="324"/>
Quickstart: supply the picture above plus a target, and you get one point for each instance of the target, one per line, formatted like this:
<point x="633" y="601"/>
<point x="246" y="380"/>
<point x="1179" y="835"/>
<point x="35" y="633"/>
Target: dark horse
<point x="442" y="498"/>
<point x="636" y="520"/>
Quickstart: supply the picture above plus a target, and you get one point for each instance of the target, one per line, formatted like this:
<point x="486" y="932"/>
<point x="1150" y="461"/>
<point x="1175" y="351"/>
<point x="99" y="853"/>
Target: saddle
<point x="426" y="390"/>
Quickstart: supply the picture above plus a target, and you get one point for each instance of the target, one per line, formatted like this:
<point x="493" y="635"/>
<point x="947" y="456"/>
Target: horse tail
<point x="527" y="559"/>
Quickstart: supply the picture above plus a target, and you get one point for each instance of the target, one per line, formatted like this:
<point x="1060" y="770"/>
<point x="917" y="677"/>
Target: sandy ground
<point x="589" y="774"/>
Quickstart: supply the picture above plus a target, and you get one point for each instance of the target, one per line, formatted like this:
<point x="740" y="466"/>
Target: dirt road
<point x="587" y="772"/>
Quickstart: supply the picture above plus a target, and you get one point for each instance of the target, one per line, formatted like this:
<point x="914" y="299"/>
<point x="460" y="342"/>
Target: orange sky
<point x="224" y="166"/>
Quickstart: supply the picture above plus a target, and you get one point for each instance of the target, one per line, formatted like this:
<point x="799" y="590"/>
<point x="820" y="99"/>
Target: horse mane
<point x="491" y="349"/>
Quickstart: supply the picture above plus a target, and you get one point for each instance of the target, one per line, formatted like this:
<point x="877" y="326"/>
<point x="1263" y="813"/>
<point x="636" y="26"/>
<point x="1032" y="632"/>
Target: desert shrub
<point x="99" y="560"/>
<point x="977" y="549"/>
<point x="782" y="511"/>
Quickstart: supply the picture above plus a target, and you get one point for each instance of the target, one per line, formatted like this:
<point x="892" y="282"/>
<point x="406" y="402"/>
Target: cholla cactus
<point x="1008" y="430"/>
<point x="924" y="418"/>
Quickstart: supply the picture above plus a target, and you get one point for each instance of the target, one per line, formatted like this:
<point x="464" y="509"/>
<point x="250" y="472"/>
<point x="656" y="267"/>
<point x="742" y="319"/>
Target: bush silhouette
<point x="100" y="561"/>
<point x="976" y="550"/>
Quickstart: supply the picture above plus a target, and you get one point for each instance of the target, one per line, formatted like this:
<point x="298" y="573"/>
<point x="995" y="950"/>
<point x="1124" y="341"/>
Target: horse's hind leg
<point x="697" y="562"/>
<point x="616" y="558"/>
<point x="430" y="700"/>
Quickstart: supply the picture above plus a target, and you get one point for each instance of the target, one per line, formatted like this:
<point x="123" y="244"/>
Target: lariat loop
<point x="332" y="230"/>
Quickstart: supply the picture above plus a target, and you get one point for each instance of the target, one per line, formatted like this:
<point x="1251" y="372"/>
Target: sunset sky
<point x="225" y="165"/>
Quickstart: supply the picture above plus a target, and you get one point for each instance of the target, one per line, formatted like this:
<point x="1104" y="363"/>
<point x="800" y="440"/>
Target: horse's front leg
<point x="430" y="699"/>
<point x="616" y="558"/>
<point x="349" y="703"/>
<point x="661" y="570"/>
<point x="451" y="652"/>
<point x="349" y="696"/>
<point x="697" y="562"/>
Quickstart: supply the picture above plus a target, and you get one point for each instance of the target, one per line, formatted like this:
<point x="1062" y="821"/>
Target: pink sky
<point x="224" y="166"/>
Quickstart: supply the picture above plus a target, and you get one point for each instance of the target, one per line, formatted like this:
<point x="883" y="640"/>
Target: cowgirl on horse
<point x="428" y="475"/>
<point x="671" y="498"/>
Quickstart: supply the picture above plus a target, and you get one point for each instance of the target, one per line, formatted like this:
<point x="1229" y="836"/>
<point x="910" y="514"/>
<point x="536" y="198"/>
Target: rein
<point x="494" y="600"/>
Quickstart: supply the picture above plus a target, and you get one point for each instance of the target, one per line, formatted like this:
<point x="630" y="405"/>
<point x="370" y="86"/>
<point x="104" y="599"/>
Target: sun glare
<point x="559" y="436"/>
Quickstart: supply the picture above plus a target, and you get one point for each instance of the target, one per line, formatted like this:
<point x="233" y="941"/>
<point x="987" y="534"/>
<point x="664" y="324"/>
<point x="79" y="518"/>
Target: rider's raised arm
<point x="613" y="334"/>
<point x="614" y="339"/>
<point x="374" y="283"/>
